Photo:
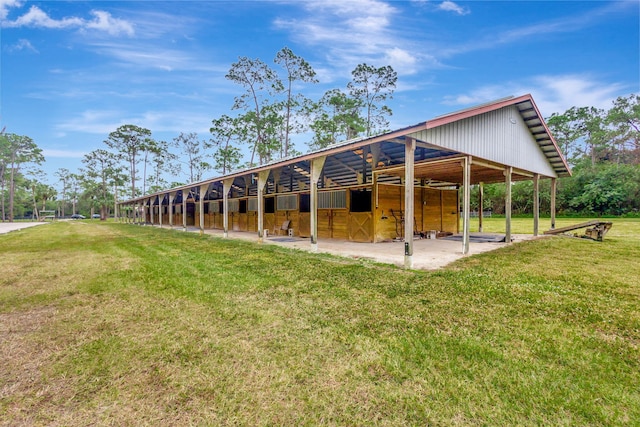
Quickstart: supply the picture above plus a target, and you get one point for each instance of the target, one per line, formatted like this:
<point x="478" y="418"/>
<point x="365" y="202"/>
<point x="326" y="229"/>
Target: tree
<point x="5" y="156"/>
<point x="129" y="141"/>
<point x="63" y="175"/>
<point x="194" y="149"/>
<point x="297" y="70"/>
<point x="162" y="161"/>
<point x="21" y="150"/>
<point x="225" y="131"/>
<point x="259" y="82"/>
<point x="624" y="118"/>
<point x="372" y="86"/>
<point x="336" y="116"/>
<point x="102" y="169"/>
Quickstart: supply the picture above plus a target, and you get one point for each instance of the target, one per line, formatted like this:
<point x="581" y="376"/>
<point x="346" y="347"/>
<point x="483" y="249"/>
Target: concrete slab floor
<point x="428" y="254"/>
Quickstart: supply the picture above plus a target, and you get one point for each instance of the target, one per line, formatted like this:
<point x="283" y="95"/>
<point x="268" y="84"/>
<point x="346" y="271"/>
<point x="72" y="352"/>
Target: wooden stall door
<point x="432" y="210"/>
<point x="325" y="218"/>
<point x="304" y="224"/>
<point x="242" y="221"/>
<point x="361" y="226"/>
<point x="450" y="211"/>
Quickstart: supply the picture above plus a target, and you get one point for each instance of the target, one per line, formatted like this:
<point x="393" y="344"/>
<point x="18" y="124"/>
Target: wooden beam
<point x="480" y="206"/>
<point x="536" y="203"/>
<point x="184" y="210"/>
<point x="263" y="176"/>
<point x="150" y="210"/>
<point x="203" y="192"/>
<point x="466" y="203"/>
<point x="226" y="188"/>
<point x="507" y="204"/>
<point x="409" y="160"/>
<point x="172" y="197"/>
<point x="553" y="202"/>
<point x="317" y="165"/>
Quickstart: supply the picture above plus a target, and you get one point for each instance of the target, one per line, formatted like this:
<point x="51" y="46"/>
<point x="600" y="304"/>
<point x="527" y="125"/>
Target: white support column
<point x="536" y="203"/>
<point x="507" y="204"/>
<point x="553" y="202"/>
<point x="151" y="210"/>
<point x="409" y="175"/>
<point x="202" y="193"/>
<point x="466" y="203"/>
<point x="226" y="188"/>
<point x="172" y="197"/>
<point x="480" y="206"/>
<point x="263" y="176"/>
<point x="316" y="170"/>
<point x="160" y="200"/>
<point x="184" y="209"/>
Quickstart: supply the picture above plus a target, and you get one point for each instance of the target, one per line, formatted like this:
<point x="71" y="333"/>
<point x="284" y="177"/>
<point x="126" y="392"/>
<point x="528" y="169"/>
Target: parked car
<point x="95" y="216"/>
<point x="77" y="216"/>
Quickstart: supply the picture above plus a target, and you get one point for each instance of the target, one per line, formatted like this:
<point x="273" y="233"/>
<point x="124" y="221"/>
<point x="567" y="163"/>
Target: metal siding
<point x="492" y="136"/>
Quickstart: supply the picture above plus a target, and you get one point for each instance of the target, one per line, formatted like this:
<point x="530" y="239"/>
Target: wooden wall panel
<point x="432" y="209"/>
<point x="339" y="224"/>
<point x="304" y="224"/>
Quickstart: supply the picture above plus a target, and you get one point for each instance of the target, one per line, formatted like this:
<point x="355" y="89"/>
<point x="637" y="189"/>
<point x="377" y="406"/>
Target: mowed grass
<point x="124" y="325"/>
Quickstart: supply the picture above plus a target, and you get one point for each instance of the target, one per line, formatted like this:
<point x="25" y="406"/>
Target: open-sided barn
<point x="356" y="190"/>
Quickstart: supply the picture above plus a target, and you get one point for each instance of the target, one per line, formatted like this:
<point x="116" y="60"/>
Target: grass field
<point x="115" y="324"/>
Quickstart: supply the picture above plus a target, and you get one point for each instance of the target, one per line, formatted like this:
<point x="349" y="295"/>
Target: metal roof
<point x="347" y="160"/>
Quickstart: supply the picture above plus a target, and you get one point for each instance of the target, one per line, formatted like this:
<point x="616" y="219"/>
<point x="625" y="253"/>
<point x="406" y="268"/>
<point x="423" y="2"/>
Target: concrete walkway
<point x="6" y="227"/>
<point x="428" y="254"/>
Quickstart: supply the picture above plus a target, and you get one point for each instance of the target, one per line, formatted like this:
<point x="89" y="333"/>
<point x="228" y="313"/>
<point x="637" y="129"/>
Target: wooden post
<point x="409" y="173"/>
<point x="150" y="201"/>
<point x="553" y="202"/>
<point x="507" y="204"/>
<point x="466" y="203"/>
<point x="172" y="197"/>
<point x="263" y="176"/>
<point x="536" y="203"/>
<point x="226" y="188"/>
<point x="202" y="193"/>
<point x="480" y="206"/>
<point x="160" y="200"/>
<point x="184" y="209"/>
<point x="317" y="165"/>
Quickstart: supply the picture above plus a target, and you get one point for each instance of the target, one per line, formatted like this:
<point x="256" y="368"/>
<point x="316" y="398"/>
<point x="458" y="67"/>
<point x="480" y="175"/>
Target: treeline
<point x="264" y="119"/>
<point x="603" y="149"/>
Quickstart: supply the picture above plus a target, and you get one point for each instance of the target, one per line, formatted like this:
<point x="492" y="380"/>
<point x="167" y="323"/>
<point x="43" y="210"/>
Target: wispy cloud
<point x="106" y="121"/>
<point x="37" y="18"/>
<point x="553" y="94"/>
<point x="449" y="6"/>
<point x="369" y="26"/>
<point x="22" y="44"/>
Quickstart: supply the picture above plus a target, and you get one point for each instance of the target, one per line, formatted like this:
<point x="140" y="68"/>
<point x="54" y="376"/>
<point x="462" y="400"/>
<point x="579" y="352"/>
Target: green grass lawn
<point x="104" y="323"/>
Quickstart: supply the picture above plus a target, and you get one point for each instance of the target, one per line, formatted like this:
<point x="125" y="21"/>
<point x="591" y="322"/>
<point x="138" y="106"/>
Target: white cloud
<point x="450" y="6"/>
<point x="5" y="5"/>
<point x="105" y="22"/>
<point x="22" y="44"/>
<point x="553" y="94"/>
<point x="36" y="17"/>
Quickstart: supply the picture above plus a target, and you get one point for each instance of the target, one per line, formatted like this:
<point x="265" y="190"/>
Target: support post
<point x="507" y="204"/>
<point x="150" y="201"/>
<point x="409" y="174"/>
<point x="317" y="165"/>
<point x="263" y="176"/>
<point x="466" y="203"/>
<point x="202" y="193"/>
<point x="536" y="203"/>
<point x="480" y="206"/>
<point x="553" y="202"/>
<point x="184" y="209"/>
<point x="160" y="200"/>
<point x="226" y="188"/>
<point x="172" y="197"/>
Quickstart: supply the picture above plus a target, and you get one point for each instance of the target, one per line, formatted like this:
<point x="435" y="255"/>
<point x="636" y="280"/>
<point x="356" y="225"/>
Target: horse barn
<point x="357" y="190"/>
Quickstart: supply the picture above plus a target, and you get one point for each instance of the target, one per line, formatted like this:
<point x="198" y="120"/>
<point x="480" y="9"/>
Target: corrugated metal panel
<point x="499" y="136"/>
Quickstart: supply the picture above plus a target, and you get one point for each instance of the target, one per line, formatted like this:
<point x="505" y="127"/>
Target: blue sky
<point x="73" y="71"/>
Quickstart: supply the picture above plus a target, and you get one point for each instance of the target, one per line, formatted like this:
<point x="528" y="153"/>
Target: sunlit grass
<point x="120" y="324"/>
